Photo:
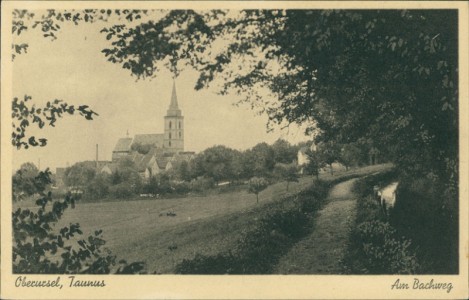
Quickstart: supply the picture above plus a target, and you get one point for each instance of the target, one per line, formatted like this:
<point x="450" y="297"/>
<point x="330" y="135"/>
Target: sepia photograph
<point x="316" y="145"/>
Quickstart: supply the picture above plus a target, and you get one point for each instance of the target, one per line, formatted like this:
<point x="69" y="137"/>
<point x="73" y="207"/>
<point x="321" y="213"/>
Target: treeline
<point x="216" y="166"/>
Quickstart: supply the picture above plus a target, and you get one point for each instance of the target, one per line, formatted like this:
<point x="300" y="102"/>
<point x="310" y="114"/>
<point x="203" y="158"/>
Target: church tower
<point x="174" y="125"/>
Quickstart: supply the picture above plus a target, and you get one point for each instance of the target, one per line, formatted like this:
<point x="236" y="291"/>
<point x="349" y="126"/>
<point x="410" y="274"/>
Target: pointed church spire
<point x="174" y="98"/>
<point x="173" y="109"/>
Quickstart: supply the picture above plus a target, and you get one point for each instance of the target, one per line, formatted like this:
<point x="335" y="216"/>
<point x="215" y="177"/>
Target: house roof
<point x="141" y="161"/>
<point x="123" y="144"/>
<point x="187" y="155"/>
<point x="112" y="166"/>
<point x="102" y="163"/>
<point x="149" y="139"/>
<point x="162" y="161"/>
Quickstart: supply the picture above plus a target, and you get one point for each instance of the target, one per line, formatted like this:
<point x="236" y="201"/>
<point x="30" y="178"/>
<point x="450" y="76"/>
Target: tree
<point x="259" y="161"/>
<point x="328" y="152"/>
<point x="237" y="166"/>
<point x="284" y="152"/>
<point x="350" y="155"/>
<point x="257" y="185"/>
<point x="24" y="181"/>
<point x="334" y="70"/>
<point x="164" y="183"/>
<point x="183" y="171"/>
<point x="80" y="174"/>
<point x="339" y="70"/>
<point x="49" y="24"/>
<point x="152" y="186"/>
<point x="142" y="149"/>
<point x="314" y="163"/>
<point x="98" y="188"/>
<point x="127" y="175"/>
<point x="26" y="114"/>
<point x="289" y="173"/>
<point x="216" y="162"/>
<point x="387" y="76"/>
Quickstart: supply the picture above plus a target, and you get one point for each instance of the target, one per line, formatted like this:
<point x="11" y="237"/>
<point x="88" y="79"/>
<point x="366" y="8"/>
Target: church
<point x="155" y="152"/>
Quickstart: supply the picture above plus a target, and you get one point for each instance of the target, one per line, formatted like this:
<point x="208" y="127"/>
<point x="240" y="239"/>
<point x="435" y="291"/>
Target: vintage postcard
<point x="234" y="150"/>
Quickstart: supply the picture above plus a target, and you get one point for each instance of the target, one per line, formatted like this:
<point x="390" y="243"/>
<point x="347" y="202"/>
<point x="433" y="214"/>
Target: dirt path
<point x="320" y="252"/>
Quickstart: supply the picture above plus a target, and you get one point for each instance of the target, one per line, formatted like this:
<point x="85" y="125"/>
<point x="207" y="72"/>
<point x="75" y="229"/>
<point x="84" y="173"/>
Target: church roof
<point x="149" y="139"/>
<point x="173" y="109"/>
<point x="123" y="144"/>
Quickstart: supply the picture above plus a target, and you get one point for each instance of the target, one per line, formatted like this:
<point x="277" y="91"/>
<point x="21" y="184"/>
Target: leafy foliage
<point x="419" y="235"/>
<point x="289" y="173"/>
<point x="257" y="185"/>
<point x="142" y="149"/>
<point x="384" y="252"/>
<point x="350" y="155"/>
<point x="49" y="22"/>
<point x="389" y="76"/>
<point x="314" y="163"/>
<point x="259" y="161"/>
<point x="38" y="248"/>
<point x="216" y="162"/>
<point x="284" y="152"/>
<point x="329" y="152"/>
<point x="80" y="174"/>
<point x="426" y="214"/>
<point x="24" y="181"/>
<point x="24" y="115"/>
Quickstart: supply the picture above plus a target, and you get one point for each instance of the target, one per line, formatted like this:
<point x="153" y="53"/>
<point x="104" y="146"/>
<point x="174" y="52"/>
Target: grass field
<point x="140" y="230"/>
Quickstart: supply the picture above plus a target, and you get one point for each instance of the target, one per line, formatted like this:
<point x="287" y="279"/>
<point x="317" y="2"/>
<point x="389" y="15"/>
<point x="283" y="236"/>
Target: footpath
<point x="321" y="251"/>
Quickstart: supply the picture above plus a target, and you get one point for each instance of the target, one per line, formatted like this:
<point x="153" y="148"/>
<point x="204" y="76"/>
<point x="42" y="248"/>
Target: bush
<point x="281" y="224"/>
<point x="151" y="187"/>
<point x="376" y="246"/>
<point x="318" y="191"/>
<point x="201" y="184"/>
<point x="369" y="209"/>
<point x="382" y="252"/>
<point x="182" y="188"/>
<point x="122" y="190"/>
<point x="98" y="188"/>
<point x="422" y="213"/>
<point x="204" y="264"/>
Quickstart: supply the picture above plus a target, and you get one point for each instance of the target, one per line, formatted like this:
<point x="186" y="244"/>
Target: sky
<point x="72" y="68"/>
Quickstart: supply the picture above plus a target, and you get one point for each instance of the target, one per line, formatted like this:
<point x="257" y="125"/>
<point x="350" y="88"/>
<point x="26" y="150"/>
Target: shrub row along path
<point x="321" y="251"/>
